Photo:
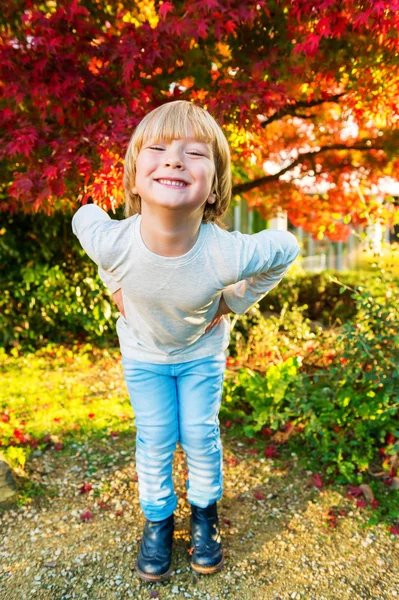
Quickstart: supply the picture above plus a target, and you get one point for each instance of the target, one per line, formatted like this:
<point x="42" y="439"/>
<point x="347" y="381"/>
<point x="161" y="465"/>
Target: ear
<point x="212" y="197"/>
<point x="134" y="190"/>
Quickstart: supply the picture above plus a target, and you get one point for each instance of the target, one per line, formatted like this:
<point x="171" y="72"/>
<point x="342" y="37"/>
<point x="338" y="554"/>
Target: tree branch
<point x="291" y="109"/>
<point x="250" y="185"/>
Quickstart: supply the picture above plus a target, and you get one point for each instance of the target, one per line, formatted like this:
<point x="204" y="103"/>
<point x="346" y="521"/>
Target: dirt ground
<point x="277" y="542"/>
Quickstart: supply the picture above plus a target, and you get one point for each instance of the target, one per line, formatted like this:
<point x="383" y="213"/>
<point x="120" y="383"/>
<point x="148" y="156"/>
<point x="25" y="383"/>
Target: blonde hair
<point x="175" y="120"/>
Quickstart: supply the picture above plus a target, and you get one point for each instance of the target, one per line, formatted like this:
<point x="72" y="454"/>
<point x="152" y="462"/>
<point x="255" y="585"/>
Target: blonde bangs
<point x="174" y="121"/>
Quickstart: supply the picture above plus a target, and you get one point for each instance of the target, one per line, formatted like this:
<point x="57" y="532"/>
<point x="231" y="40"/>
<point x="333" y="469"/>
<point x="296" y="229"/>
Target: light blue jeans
<point x="177" y="403"/>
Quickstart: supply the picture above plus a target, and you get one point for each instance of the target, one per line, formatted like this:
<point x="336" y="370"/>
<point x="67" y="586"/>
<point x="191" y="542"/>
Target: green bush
<point x="321" y="294"/>
<point x="50" y="290"/>
<point x="345" y="410"/>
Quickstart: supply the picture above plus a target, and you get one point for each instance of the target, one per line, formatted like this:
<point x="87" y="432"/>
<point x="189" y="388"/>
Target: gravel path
<point x="274" y="525"/>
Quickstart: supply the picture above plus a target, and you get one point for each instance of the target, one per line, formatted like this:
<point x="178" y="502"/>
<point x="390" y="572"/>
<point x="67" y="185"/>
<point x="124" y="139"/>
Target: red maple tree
<point x="306" y="91"/>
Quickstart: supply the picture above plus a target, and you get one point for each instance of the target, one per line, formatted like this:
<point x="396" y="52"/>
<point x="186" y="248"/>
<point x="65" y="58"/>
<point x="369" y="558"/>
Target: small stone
<point x="8" y="487"/>
<point x="175" y="589"/>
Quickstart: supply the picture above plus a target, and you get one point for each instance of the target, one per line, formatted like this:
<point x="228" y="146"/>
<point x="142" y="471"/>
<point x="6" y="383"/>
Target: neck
<point x="169" y="233"/>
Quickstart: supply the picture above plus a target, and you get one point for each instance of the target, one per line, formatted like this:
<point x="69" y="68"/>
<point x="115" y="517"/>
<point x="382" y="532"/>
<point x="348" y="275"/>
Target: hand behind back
<point x="118" y="299"/>
<point x="222" y="310"/>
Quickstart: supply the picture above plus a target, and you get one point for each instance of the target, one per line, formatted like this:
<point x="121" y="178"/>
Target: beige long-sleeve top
<point x="169" y="301"/>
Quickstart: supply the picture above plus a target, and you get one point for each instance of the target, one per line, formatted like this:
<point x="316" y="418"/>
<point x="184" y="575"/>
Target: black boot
<point x="206" y="544"/>
<point x="155" y="555"/>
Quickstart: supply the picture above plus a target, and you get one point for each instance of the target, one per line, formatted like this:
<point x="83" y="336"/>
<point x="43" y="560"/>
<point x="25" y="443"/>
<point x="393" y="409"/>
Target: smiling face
<point x="177" y="174"/>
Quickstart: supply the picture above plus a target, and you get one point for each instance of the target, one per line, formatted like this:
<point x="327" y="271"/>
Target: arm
<point x="265" y="258"/>
<point x="99" y="236"/>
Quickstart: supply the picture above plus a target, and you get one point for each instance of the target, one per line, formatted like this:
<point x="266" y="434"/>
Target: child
<point x="176" y="274"/>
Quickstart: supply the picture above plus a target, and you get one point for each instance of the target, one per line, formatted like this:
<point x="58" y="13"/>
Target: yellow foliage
<point x="143" y="11"/>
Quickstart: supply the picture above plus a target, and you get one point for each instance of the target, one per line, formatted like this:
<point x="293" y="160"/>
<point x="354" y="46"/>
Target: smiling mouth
<point x="172" y="182"/>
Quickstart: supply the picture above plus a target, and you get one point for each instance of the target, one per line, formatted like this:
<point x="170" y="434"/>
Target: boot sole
<point x="153" y="578"/>
<point x="208" y="570"/>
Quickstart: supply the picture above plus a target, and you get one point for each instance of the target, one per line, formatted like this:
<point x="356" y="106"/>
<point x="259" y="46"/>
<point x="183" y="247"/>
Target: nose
<point x="172" y="159"/>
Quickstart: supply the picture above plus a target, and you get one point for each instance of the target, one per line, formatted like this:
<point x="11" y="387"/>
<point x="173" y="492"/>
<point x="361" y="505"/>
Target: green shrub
<point x="50" y="289"/>
<point x="321" y="294"/>
<point x="345" y="409"/>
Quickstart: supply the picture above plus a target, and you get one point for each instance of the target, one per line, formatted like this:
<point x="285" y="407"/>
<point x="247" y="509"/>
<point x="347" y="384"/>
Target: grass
<point x="58" y="396"/>
<point x="66" y="398"/>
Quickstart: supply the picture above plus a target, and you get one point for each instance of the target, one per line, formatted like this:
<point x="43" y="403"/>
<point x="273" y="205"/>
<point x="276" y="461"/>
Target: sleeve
<point x="108" y="280"/>
<point x="264" y="259"/>
<point x="99" y="236"/>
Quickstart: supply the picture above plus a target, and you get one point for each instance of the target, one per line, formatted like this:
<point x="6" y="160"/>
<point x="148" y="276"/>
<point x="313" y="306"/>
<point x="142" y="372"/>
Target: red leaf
<point x="258" y="495"/>
<point x="249" y="441"/>
<point x="354" y="491"/>
<point x="361" y="503"/>
<point x="91" y="415"/>
<point x="165" y="8"/>
<point x="267" y="432"/>
<point x="114" y="434"/>
<point x="271" y="451"/>
<point x="317" y="480"/>
<point x="86" y="515"/>
<point x="394" y="529"/>
<point x="211" y="4"/>
<point x="232" y="461"/>
<point x="202" y="28"/>
<point x="230" y="26"/>
<point x="228" y="424"/>
<point x="85" y="488"/>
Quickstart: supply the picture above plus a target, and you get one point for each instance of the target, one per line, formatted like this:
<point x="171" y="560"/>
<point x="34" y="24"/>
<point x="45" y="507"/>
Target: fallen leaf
<point x="86" y="515"/>
<point x="354" y="491"/>
<point x="85" y="488"/>
<point x="271" y="451"/>
<point x="317" y="480"/>
<point x="258" y="495"/>
<point x="267" y="432"/>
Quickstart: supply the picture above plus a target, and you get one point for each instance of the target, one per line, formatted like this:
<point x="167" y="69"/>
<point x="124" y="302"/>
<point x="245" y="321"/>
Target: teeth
<point x="173" y="183"/>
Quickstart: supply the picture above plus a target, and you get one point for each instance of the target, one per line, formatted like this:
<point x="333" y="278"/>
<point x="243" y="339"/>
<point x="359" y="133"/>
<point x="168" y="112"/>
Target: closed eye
<point x="155" y="148"/>
<point x="196" y="153"/>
